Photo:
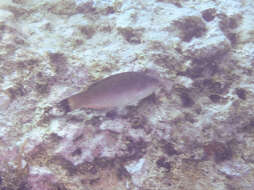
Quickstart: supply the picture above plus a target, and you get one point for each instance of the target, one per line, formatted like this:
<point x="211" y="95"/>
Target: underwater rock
<point x="51" y="50"/>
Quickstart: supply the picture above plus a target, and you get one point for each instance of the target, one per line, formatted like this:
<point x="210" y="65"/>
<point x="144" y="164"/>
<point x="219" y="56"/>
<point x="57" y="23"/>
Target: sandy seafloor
<point x="196" y="133"/>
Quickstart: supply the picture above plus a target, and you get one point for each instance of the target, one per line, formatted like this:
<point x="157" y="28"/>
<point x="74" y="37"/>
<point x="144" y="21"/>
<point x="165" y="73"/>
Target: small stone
<point x="88" y="31"/>
<point x="187" y="101"/>
<point x="215" y="98"/>
<point x="241" y="93"/>
<point x="191" y="27"/>
<point x="162" y="163"/>
<point x="169" y="149"/>
<point x="219" y="151"/>
<point x="131" y="35"/>
<point x="233" y="37"/>
<point x="209" y="14"/>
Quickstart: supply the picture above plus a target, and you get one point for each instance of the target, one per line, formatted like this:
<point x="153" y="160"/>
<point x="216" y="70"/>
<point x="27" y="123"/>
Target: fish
<point x="116" y="91"/>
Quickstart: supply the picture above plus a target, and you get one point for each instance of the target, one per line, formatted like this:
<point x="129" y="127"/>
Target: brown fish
<point x="115" y="91"/>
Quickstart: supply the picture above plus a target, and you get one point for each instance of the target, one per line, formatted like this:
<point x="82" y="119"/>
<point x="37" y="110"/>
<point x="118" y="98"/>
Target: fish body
<point x="115" y="91"/>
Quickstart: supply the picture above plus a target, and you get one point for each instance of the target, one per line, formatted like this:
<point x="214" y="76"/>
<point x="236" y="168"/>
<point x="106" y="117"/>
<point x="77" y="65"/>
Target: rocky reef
<point x="196" y="132"/>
